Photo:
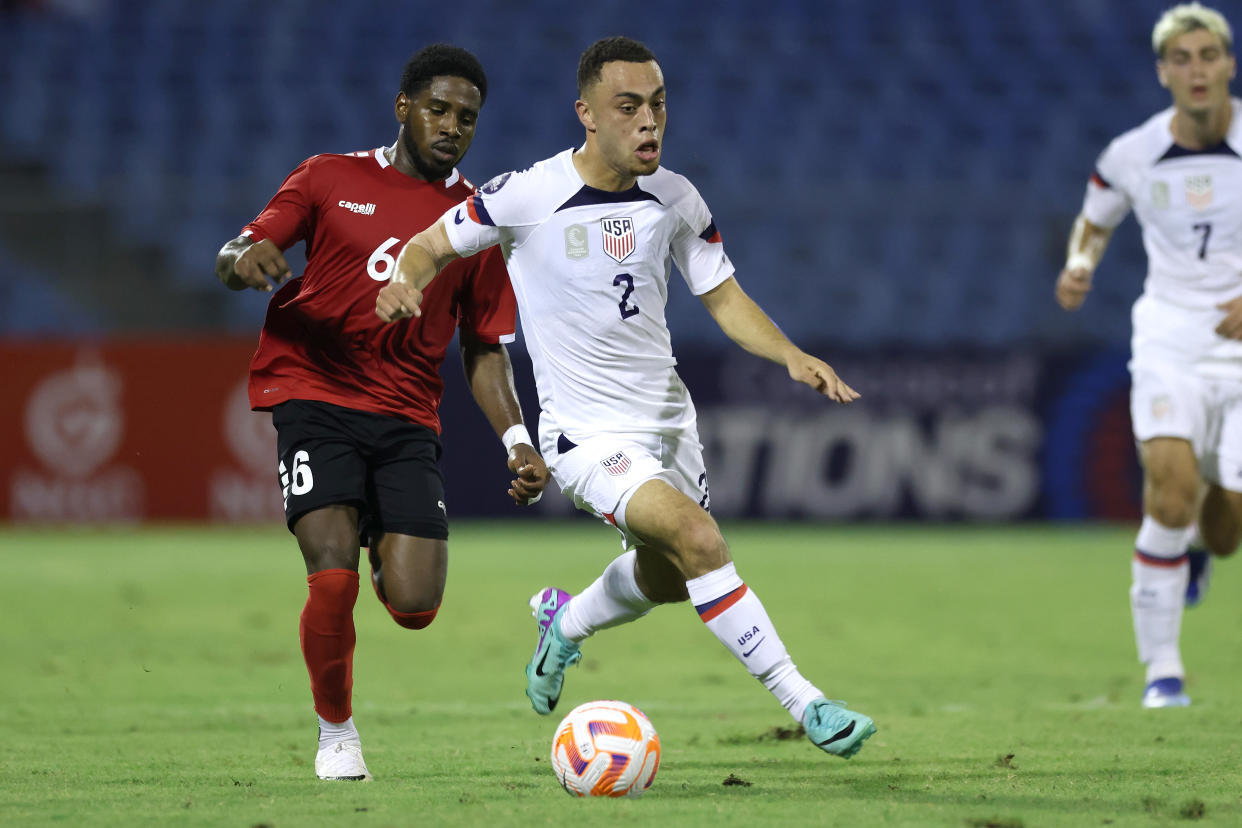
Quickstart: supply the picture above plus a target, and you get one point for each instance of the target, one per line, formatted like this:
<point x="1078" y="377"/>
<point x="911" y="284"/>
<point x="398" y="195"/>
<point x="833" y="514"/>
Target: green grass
<point x="152" y="676"/>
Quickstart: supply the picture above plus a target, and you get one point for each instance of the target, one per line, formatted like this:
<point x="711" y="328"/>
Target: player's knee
<point x="1173" y="504"/>
<point x="413" y="620"/>
<point x="328" y="555"/>
<point x="412" y="609"/>
<point x="701" y="547"/>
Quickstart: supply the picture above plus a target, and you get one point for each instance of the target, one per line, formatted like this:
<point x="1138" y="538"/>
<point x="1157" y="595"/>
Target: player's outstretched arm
<point x="748" y="326"/>
<point x="490" y="375"/>
<point x="242" y="264"/>
<point x="1087" y="243"/>
<point x="420" y="261"/>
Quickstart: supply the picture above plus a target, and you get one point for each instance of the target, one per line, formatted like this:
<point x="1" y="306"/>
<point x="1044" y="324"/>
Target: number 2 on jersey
<point x="627" y="310"/>
<point x="1206" y="229"/>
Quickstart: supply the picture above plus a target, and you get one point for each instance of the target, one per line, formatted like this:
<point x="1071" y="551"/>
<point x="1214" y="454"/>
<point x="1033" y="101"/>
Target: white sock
<point x="332" y="732"/>
<point x="736" y="616"/>
<point x="613" y="599"/>
<point x="1157" y="596"/>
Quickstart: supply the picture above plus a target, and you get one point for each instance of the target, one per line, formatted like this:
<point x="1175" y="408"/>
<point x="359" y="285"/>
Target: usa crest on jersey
<point x="1199" y="191"/>
<point x="618" y="237"/>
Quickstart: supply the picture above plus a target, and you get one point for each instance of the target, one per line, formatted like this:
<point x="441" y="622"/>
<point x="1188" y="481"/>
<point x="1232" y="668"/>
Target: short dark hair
<point x="442" y="59"/>
<point x="591" y="64"/>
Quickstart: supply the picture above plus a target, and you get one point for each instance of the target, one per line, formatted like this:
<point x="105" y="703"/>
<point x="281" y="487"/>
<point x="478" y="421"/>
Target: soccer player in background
<point x="1181" y="173"/>
<point x="355" y="401"/>
<point x="589" y="238"/>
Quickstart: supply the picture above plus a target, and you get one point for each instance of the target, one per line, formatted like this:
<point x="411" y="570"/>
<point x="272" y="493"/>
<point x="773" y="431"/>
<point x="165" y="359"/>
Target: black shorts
<point x="385" y="467"/>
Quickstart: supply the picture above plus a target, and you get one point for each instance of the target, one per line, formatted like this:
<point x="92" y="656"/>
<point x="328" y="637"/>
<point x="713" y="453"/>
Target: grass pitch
<point x="152" y="677"/>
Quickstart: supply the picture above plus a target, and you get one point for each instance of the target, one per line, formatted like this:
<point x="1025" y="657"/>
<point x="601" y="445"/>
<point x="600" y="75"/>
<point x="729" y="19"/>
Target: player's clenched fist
<point x="259" y="262"/>
<point x="397" y="300"/>
<point x="1072" y="287"/>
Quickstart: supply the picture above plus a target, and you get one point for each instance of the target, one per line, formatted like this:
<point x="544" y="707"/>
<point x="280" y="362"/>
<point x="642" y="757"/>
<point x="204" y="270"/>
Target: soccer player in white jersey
<point x="1182" y="175"/>
<point x="589" y="237"/>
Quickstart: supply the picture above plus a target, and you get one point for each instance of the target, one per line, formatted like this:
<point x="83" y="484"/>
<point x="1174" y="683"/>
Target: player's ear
<point x="1164" y="81"/>
<point x="401" y="107"/>
<point x="584" y="114"/>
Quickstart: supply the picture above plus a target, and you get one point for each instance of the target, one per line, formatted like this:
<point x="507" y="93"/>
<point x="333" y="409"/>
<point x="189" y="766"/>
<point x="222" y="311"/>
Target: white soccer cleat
<point x="342" y="761"/>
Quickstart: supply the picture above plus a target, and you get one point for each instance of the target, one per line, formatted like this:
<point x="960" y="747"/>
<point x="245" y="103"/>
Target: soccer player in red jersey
<point x="354" y="401"/>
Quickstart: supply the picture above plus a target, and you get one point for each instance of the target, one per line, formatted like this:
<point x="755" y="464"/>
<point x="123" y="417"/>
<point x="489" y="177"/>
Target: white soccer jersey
<point x="1189" y="206"/>
<point x="590" y="269"/>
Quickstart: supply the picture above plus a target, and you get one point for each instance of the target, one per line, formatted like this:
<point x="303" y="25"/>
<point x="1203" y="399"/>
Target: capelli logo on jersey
<point x="354" y="207"/>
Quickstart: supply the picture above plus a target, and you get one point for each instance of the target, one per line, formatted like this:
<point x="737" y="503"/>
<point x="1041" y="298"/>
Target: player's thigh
<point x="328" y="538"/>
<point x="665" y="518"/>
<point x="1171" y="481"/>
<point x="406" y="486"/>
<point x="1169" y="462"/>
<point x="414" y="571"/>
<point x="323" y="480"/>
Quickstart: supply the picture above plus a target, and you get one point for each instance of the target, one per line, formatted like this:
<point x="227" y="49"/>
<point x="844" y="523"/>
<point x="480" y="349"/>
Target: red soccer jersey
<point x="321" y="339"/>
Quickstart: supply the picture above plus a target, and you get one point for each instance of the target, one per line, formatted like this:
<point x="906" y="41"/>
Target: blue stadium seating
<point x="884" y="172"/>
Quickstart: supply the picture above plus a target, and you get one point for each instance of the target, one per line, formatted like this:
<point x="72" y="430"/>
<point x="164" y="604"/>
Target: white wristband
<point x="1079" y="260"/>
<point x="514" y="435"/>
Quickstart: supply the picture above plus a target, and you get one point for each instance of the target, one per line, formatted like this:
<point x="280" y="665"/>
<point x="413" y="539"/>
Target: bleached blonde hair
<point x="1186" y="18"/>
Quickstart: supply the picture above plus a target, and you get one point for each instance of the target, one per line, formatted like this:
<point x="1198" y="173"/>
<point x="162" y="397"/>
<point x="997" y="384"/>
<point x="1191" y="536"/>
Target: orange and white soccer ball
<point x="605" y="748"/>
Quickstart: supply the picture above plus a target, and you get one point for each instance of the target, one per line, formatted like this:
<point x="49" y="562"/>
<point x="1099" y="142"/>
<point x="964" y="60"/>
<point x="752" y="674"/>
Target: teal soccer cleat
<point x="546" y="672"/>
<point x="835" y="730"/>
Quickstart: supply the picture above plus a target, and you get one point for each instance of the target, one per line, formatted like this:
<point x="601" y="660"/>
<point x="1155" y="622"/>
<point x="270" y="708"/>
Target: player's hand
<point x="1072" y="287"/>
<point x="532" y="475"/>
<point x="1231" y="326"/>
<point x="262" y="266"/>
<point x="397" y="300"/>
<point x="819" y="375"/>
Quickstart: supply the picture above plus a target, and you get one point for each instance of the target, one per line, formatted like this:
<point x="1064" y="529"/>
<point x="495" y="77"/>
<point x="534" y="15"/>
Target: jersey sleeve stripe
<point x="711" y="235"/>
<point x="1099" y="181"/>
<point x="474" y="205"/>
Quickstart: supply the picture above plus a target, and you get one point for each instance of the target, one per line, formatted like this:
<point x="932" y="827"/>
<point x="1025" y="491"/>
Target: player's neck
<point x="1197" y="131"/>
<point x="596" y="173"/>
<point x="401" y="161"/>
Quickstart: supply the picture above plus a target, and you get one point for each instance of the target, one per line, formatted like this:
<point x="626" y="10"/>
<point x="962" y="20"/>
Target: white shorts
<point x="1173" y="401"/>
<point x="601" y="474"/>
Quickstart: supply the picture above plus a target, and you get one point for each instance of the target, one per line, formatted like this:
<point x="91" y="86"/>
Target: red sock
<point x="327" y="633"/>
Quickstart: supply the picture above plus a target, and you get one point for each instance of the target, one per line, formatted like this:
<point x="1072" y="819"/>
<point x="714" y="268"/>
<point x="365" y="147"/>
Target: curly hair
<point x="442" y="59"/>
